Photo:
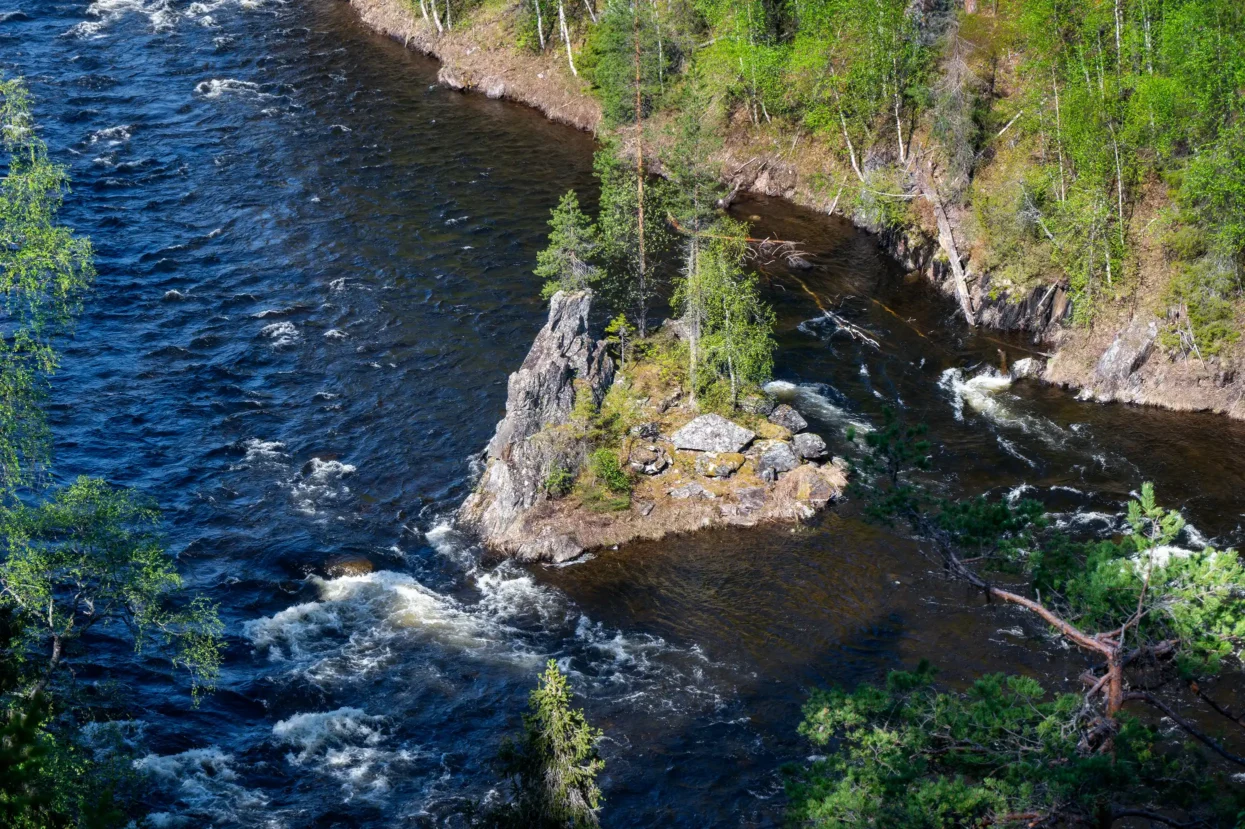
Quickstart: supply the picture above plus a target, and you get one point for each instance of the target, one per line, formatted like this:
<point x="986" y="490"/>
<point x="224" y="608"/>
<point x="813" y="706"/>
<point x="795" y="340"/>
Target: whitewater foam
<point x="282" y="334"/>
<point x="807" y="398"/>
<point x="319" y="484"/>
<point x="218" y="87"/>
<point x="205" y="784"/>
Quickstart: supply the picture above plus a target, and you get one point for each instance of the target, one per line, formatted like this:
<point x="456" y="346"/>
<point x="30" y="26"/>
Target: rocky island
<point x="592" y="454"/>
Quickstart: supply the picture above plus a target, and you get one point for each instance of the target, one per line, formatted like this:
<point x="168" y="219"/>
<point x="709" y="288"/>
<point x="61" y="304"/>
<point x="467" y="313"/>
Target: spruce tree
<point x="566" y="265"/>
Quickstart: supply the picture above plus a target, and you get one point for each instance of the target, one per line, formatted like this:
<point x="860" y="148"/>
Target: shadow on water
<point x="315" y="274"/>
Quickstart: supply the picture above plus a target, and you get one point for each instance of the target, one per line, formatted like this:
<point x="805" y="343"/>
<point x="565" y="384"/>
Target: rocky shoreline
<point x="709" y="471"/>
<point x="480" y="58"/>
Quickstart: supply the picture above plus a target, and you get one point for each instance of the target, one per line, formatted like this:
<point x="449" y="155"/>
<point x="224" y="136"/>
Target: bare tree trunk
<point x="449" y="21"/>
<point x="1119" y="184"/>
<point x="1063" y="187"/>
<point x="540" y="25"/>
<point x="851" y="150"/>
<point x="566" y="36"/>
<point x="591" y="12"/>
<point x="1119" y="42"/>
<point x="54" y="662"/>
<point x="436" y="16"/>
<point x="899" y="127"/>
<point x="947" y="240"/>
<point x="642" y="325"/>
<point x="423" y="8"/>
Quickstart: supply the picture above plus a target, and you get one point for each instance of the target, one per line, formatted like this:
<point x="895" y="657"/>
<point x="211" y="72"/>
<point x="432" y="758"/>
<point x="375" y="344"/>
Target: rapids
<point x="315" y="274"/>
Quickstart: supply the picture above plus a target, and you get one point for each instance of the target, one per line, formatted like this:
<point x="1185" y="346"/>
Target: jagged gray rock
<point x="788" y="418"/>
<point x="525" y="449"/>
<point x="809" y="446"/>
<point x="1130" y="350"/>
<point x="777" y="457"/>
<point x="712" y="433"/>
<point x="1027" y="367"/>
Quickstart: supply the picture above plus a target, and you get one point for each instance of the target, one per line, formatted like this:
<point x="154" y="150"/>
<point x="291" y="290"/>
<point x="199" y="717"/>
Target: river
<point x="314" y="276"/>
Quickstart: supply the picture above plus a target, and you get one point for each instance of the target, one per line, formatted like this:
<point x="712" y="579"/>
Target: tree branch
<point x="1144" y="696"/>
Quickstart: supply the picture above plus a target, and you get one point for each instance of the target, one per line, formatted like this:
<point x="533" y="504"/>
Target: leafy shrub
<point x="559" y="482"/>
<point x="604" y="465"/>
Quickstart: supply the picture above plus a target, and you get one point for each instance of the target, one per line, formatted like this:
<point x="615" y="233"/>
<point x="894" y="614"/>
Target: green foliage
<point x="604" y="465"/>
<point x="552" y="768"/>
<point x="731" y="328"/>
<point x="1202" y="296"/>
<point x="895" y="450"/>
<point x="559" y="482"/>
<point x="609" y="60"/>
<point x="566" y="264"/>
<point x="621" y="332"/>
<point x="44" y="271"/>
<point x="630" y="281"/>
<point x="90" y="555"/>
<point x="1003" y="752"/>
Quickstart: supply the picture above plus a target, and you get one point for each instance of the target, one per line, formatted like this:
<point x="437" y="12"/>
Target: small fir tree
<point x="552" y="768"/>
<point x="566" y="264"/>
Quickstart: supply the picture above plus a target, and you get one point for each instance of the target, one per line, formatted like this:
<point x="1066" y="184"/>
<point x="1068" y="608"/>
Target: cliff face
<point x="481" y="57"/>
<point x="528" y="446"/>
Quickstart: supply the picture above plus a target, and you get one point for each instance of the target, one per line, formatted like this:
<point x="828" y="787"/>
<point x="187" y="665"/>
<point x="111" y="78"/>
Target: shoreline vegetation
<point x="595" y="428"/>
<point x="1039" y="162"/>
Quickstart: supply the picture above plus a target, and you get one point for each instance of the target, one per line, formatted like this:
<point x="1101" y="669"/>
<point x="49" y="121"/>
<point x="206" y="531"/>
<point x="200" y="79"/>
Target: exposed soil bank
<point x="481" y="57"/>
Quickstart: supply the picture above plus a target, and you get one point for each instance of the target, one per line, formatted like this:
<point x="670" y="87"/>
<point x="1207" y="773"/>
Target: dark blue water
<point x="314" y="277"/>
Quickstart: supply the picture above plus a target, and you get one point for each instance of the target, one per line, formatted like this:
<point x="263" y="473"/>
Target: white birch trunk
<point x="566" y="37"/>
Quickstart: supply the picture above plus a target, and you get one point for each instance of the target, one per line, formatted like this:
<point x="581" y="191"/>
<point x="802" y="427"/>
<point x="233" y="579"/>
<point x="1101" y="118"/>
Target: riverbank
<point x="759" y="157"/>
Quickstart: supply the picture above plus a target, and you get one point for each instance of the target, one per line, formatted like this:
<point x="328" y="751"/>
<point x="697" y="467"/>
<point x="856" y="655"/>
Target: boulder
<point x="494" y="88"/>
<point x="788" y="418"/>
<point x="1127" y="353"/>
<point x="809" y="446"/>
<point x="692" y="490"/>
<point x="751" y="499"/>
<point x="719" y="464"/>
<point x="648" y="459"/>
<point x="449" y="78"/>
<point x="776" y="458"/>
<point x="811" y="485"/>
<point x="554" y="547"/>
<point x="1028" y="367"/>
<point x="712" y="433"/>
<point x="647" y="431"/>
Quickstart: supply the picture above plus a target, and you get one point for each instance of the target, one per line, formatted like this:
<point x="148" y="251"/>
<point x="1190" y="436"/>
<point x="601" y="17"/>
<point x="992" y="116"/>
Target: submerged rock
<point x="809" y="446"/>
<point x="712" y="433"/>
<point x="347" y="565"/>
<point x="788" y="418"/>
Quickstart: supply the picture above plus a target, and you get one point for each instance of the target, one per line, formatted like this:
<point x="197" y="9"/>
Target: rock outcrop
<point x="527" y="446"/>
<point x="685" y="471"/>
